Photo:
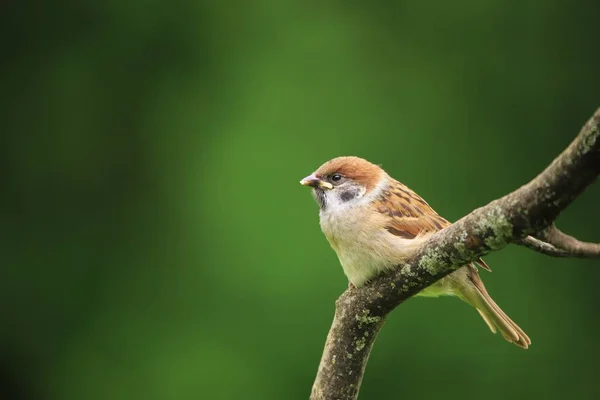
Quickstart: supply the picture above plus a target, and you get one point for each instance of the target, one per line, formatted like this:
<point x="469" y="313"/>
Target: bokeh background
<point x="156" y="244"/>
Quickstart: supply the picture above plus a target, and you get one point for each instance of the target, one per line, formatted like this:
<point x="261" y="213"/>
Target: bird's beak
<point x="314" y="181"/>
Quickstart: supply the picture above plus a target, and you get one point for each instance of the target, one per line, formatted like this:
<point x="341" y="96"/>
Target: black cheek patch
<point x="348" y="195"/>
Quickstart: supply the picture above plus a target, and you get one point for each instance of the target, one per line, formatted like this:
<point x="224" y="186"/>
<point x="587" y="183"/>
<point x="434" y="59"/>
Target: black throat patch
<point x="319" y="195"/>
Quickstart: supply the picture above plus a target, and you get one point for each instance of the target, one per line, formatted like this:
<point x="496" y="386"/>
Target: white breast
<point x="363" y="248"/>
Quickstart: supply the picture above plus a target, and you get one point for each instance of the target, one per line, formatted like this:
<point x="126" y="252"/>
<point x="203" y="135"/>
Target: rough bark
<point x="525" y="216"/>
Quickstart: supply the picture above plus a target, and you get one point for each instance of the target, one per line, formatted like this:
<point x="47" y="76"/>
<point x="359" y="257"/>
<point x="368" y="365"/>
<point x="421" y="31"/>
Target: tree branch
<point x="541" y="247"/>
<point x="531" y="209"/>
<point x="568" y="244"/>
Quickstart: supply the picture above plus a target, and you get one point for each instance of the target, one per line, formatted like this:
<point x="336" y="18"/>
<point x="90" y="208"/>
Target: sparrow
<point x="374" y="223"/>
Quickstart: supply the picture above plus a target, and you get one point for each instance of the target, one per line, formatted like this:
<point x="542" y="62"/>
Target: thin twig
<point x="541" y="247"/>
<point x="570" y="245"/>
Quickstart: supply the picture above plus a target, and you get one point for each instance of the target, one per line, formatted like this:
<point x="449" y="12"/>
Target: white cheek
<point x="335" y="203"/>
<point x="361" y="250"/>
<point x="361" y="192"/>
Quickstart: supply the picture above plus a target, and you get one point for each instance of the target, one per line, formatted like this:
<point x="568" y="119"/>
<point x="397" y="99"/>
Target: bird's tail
<point x="492" y="314"/>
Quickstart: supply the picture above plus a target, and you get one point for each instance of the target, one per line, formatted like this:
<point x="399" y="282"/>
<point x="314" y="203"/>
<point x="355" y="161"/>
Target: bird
<point x="373" y="222"/>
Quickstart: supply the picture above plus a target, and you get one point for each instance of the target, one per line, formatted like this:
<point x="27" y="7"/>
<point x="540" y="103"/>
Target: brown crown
<point x="355" y="168"/>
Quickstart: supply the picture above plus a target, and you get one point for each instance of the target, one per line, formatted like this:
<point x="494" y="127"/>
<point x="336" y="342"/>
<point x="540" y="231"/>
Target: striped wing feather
<point x="410" y="215"/>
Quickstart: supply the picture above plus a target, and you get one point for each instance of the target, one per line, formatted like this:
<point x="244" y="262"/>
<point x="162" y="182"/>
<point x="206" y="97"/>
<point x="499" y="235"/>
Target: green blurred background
<point x="156" y="244"/>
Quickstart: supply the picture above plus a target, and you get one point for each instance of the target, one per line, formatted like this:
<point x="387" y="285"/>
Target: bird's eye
<point x="336" y="177"/>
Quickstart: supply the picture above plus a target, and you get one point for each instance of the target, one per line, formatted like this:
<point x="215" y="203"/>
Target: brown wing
<point x="410" y="215"/>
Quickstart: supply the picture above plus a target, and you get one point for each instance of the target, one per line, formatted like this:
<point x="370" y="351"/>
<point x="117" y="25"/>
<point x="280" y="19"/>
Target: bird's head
<point x="343" y="180"/>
